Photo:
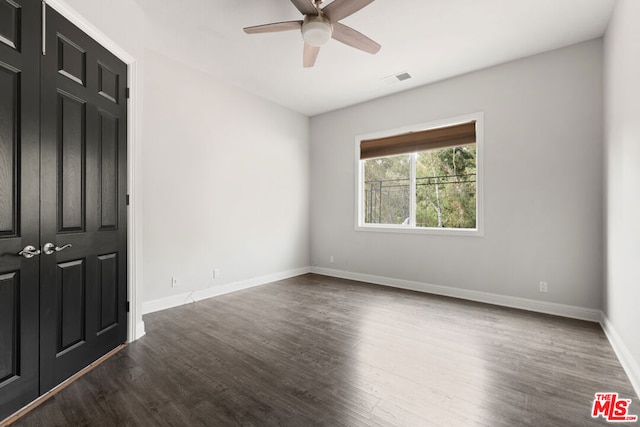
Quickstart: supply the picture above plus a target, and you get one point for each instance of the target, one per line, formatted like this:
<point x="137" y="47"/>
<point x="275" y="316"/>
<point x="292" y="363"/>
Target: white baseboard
<point x="214" y="291"/>
<point x="629" y="364"/>
<point x="139" y="330"/>
<point x="574" y="312"/>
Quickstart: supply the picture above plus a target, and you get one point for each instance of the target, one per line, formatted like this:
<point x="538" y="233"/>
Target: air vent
<point x="397" y="78"/>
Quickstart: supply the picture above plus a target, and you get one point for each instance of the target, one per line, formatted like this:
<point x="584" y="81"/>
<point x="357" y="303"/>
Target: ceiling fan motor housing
<point x="316" y="30"/>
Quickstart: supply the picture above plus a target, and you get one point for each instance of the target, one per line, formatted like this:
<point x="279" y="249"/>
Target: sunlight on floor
<point x="389" y="350"/>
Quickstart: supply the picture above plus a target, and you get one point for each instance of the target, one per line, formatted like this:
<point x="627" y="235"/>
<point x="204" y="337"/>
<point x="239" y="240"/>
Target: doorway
<point x="63" y="201"/>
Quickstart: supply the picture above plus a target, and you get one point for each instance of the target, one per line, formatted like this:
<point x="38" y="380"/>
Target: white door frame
<point x="134" y="212"/>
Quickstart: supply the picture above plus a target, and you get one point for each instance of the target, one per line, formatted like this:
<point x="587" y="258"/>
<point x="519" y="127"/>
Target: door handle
<point x="29" y="252"/>
<point x="50" y="248"/>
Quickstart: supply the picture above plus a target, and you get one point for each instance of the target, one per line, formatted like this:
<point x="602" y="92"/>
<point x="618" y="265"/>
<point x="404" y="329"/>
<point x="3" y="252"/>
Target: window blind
<point x="444" y="137"/>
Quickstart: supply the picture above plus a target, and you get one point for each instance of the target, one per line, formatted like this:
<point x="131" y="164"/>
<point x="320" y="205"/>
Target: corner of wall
<point x="629" y="364"/>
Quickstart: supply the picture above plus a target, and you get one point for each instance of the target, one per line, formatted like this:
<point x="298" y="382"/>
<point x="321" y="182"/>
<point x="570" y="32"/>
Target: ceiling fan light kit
<point x="320" y="25"/>
<point x="316" y="31"/>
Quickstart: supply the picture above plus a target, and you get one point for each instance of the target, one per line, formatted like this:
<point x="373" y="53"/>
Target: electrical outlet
<point x="331" y="259"/>
<point x="174" y="282"/>
<point x="216" y="273"/>
<point x="544" y="286"/>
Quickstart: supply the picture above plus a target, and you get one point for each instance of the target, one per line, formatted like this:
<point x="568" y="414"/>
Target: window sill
<point x="404" y="229"/>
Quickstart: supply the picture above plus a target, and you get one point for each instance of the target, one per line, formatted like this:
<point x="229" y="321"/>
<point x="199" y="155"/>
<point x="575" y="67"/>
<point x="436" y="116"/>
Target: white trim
<point x="393" y="228"/>
<point x="386" y="228"/>
<point x="201" y="294"/>
<point x="79" y="21"/>
<point x="412" y="196"/>
<point x="574" y="312"/>
<point x="629" y="364"/>
<point x="134" y="238"/>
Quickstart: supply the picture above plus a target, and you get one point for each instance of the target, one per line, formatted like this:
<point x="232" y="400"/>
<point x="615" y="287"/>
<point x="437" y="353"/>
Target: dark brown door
<point x="19" y="202"/>
<point x="63" y="225"/>
<point x="83" y="289"/>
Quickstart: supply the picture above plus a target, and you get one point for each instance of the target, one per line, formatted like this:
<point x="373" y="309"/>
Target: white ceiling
<point x="430" y="39"/>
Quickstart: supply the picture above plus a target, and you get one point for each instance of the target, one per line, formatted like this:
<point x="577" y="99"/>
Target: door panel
<point x="71" y="282"/>
<point x="10" y="23"/>
<point x="19" y="202"/>
<point x="71" y="172"/>
<point x="72" y="60"/>
<point x="109" y="82"/>
<point x="109" y="295"/>
<point x="108" y="152"/>
<point x="9" y="326"/>
<point x="83" y="202"/>
<point x="9" y="122"/>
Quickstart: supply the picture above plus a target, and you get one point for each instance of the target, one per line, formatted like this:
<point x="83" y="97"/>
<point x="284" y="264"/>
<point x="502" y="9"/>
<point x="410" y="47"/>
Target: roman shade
<point x="443" y="137"/>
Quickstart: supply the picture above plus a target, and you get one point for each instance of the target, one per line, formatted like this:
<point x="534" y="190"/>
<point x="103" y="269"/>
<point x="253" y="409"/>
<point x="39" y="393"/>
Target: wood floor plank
<point x="320" y="351"/>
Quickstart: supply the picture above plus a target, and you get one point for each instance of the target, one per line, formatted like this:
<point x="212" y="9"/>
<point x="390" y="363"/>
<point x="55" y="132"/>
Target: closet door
<point x="19" y="202"/>
<point x="83" y="291"/>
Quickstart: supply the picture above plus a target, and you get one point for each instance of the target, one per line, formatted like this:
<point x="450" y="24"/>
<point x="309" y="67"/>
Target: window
<point x="422" y="178"/>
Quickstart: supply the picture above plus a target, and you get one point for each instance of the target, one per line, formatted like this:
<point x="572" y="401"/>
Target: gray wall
<point x="542" y="177"/>
<point x="622" y="284"/>
<point x="226" y="182"/>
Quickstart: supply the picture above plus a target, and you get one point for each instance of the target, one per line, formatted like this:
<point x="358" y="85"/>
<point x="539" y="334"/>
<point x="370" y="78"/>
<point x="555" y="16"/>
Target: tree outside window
<point x="424" y="179"/>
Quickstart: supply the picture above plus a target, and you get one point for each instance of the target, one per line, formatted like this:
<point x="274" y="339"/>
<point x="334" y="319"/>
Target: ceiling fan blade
<point x="340" y="9"/>
<point x="275" y="27"/>
<point x="353" y="38"/>
<point x="310" y="54"/>
<point x="306" y="7"/>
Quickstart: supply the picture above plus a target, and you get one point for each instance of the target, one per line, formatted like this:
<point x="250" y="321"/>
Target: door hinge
<point x="127" y="93"/>
<point x="127" y="200"/>
<point x="128" y="306"/>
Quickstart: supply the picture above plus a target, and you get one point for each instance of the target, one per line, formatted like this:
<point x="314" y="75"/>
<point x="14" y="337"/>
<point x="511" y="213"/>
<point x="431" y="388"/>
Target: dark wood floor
<point x="315" y="350"/>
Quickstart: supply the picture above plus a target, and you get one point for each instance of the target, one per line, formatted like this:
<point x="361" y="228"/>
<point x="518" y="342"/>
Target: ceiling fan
<point x="319" y="25"/>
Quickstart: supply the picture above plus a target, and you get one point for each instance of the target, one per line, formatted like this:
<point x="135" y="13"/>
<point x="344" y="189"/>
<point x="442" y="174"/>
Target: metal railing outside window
<point x="388" y="201"/>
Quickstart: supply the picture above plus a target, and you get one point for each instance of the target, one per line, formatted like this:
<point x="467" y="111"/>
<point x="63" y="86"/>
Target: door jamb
<point x="135" y="328"/>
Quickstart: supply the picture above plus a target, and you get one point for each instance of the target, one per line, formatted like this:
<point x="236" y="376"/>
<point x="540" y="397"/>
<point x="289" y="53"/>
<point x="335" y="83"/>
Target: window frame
<point x="360" y="225"/>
